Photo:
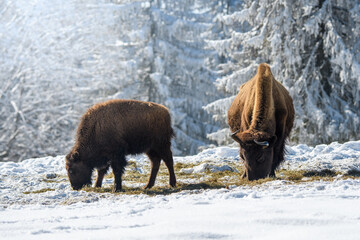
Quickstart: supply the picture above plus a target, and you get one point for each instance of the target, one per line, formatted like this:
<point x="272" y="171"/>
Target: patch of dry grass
<point x="208" y="179"/>
<point x="40" y="191"/>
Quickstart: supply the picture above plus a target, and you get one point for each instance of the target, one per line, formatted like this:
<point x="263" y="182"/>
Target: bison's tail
<point x="172" y="133"/>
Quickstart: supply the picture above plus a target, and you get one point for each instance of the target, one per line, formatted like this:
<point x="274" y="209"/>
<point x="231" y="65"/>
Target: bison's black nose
<point x="76" y="187"/>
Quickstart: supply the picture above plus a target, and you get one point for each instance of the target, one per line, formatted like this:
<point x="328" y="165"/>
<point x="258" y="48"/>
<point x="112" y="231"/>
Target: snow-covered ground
<point x="36" y="202"/>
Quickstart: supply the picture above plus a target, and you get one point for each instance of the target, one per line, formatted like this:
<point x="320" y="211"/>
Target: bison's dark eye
<point x="261" y="159"/>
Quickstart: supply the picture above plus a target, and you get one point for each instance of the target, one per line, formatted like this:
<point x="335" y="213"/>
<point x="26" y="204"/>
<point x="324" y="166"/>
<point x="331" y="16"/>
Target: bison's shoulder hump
<point x="127" y="104"/>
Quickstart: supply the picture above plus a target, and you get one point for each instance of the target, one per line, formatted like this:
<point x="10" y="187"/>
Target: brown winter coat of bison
<point x="261" y="117"/>
<point x="111" y="130"/>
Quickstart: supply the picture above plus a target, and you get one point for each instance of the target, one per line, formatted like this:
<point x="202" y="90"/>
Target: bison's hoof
<point x="148" y="186"/>
<point x="173" y="184"/>
<point x="115" y="190"/>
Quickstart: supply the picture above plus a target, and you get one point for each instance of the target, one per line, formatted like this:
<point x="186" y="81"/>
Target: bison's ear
<point x="73" y="156"/>
<point x="76" y="156"/>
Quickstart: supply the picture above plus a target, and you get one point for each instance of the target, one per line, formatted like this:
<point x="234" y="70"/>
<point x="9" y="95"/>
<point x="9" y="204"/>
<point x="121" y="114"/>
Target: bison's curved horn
<point x="264" y="143"/>
<point x="233" y="136"/>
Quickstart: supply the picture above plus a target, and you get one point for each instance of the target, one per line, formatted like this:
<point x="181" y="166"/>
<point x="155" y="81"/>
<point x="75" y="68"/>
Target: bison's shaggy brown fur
<point x="111" y="130"/>
<point x="261" y="117"/>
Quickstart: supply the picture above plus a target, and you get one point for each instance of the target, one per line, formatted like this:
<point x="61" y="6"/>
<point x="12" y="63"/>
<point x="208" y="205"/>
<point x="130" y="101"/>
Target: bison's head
<point x="256" y="150"/>
<point x="79" y="173"/>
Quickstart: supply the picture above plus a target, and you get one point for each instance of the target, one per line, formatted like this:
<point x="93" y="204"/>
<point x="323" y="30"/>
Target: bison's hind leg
<point x="155" y="157"/>
<point x="155" y="165"/>
<point x="169" y="162"/>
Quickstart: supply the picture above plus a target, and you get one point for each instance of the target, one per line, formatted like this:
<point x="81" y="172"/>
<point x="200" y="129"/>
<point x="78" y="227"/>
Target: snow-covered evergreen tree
<point x="313" y="48"/>
<point x="180" y="71"/>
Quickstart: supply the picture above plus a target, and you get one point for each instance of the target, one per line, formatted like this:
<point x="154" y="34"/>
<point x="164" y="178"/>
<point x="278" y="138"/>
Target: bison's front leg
<point x="100" y="176"/>
<point x="118" y="167"/>
<point x="244" y="175"/>
<point x="272" y="173"/>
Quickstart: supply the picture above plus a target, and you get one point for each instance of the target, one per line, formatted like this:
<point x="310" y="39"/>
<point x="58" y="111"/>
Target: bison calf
<point x="111" y="130"/>
<point x="261" y="117"/>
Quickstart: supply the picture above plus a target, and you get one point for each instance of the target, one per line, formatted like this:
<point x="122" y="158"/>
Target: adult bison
<point x="111" y="130"/>
<point x="261" y="117"/>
